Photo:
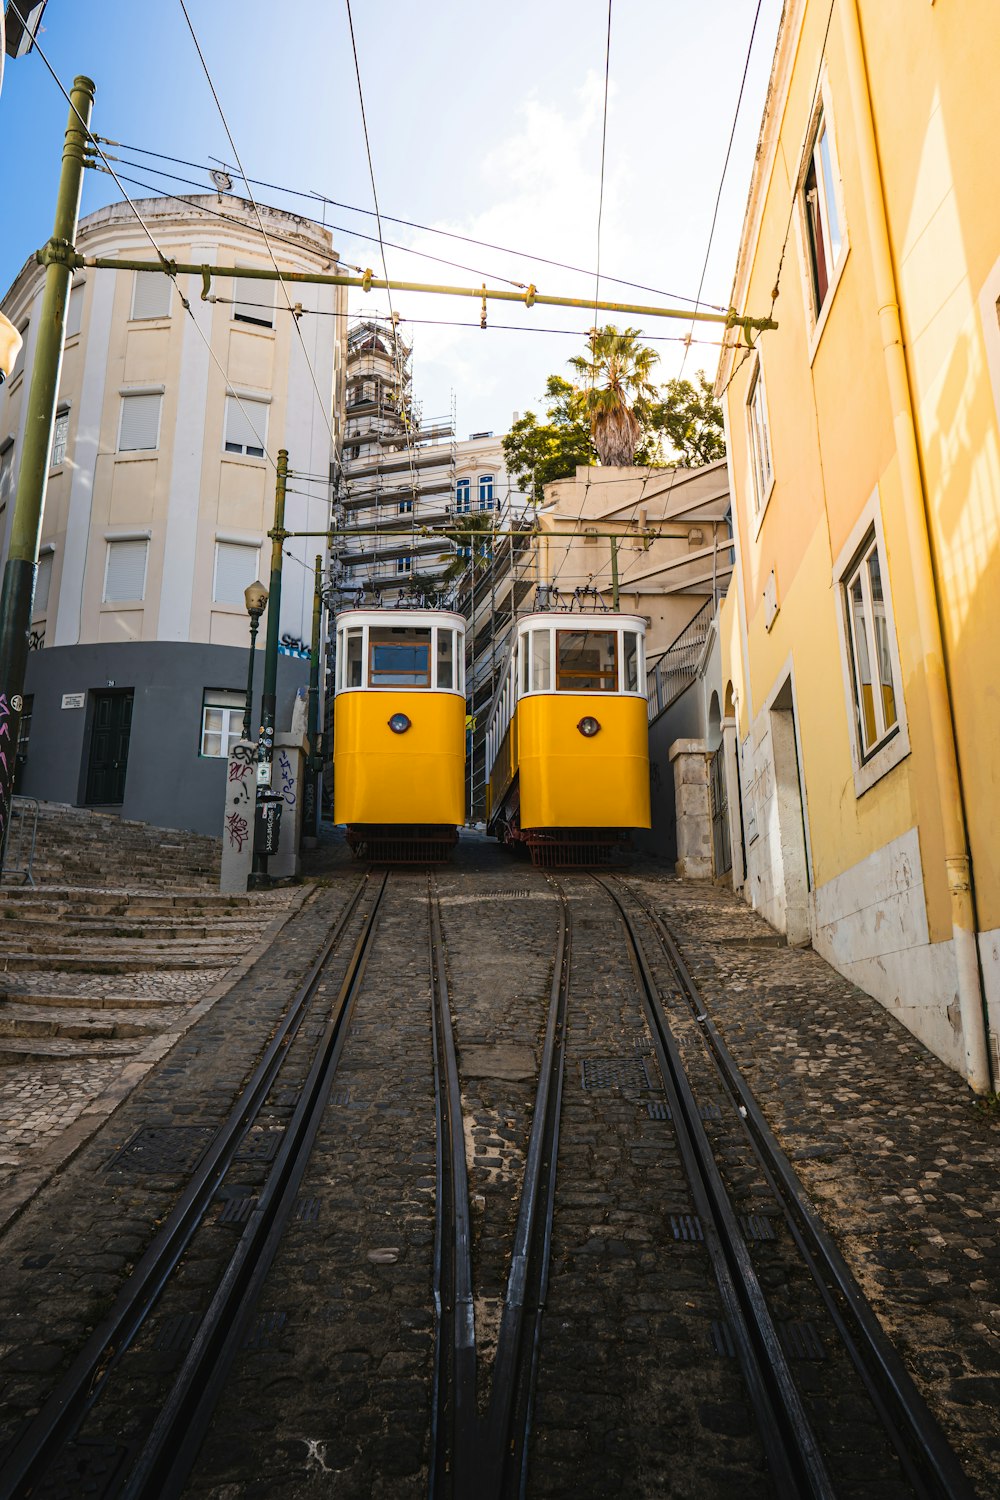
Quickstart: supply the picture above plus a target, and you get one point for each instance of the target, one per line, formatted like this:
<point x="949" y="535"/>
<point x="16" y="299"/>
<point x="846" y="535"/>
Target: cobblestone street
<point x="331" y="1394"/>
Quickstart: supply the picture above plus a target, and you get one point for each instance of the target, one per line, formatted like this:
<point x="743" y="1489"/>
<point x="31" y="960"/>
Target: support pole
<point x="614" y="573"/>
<point x="248" y="708"/>
<point x="268" y="705"/>
<point x="22" y="561"/>
<point x="314" y="765"/>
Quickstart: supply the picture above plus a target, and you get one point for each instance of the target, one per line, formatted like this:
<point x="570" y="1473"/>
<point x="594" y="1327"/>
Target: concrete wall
<point x="168" y="782"/>
<point x="681" y="721"/>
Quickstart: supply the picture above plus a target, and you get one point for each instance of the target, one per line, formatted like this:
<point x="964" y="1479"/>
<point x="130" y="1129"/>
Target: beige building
<point x="159" y="498"/>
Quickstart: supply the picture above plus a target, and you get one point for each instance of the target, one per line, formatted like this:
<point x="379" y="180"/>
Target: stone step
<point x="20" y="1051"/>
<point x="137" y="901"/>
<point x="85" y="1000"/>
<point x="74" y="964"/>
<point x="48" y="927"/>
<point x="56" y="943"/>
<point x="31" y="1022"/>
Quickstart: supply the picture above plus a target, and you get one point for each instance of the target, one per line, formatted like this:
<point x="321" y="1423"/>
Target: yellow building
<point x="860" y="670"/>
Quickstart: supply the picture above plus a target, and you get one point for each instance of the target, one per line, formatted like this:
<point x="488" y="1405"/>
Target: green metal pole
<point x="22" y="561"/>
<point x="248" y="709"/>
<point x="614" y="572"/>
<point x="269" y="697"/>
<point x="311" y="811"/>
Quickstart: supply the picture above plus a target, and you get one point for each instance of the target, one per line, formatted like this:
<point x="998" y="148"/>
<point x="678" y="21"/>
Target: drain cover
<point x="259" y="1145"/>
<point x="758" y="1226"/>
<point x="615" y="1072"/>
<point x="236" y="1210"/>
<point x="658" y="1110"/>
<point x="163" y="1148"/>
<point x="306" y="1211"/>
<point x="686" y="1227"/>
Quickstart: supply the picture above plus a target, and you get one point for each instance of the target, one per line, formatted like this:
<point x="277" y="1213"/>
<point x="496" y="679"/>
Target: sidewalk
<point x="897" y="1154"/>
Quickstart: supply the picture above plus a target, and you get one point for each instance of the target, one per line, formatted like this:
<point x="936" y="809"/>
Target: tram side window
<point x="525" y="668"/>
<point x="446" y="658"/>
<point x="353" y="663"/>
<point x="399" y="657"/>
<point x="630" y="642"/>
<point x="587" y="661"/>
<point x="541" y="661"/>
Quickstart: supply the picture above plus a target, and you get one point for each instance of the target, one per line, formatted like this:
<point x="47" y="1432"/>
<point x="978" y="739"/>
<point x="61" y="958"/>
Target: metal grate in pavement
<point x="657" y="1109"/>
<point x="686" y="1227"/>
<point x="259" y="1145"/>
<point x="177" y="1332"/>
<point x="757" y="1226"/>
<point x="801" y="1341"/>
<point x="615" y="1072"/>
<point x="236" y="1210"/>
<point x="163" y="1148"/>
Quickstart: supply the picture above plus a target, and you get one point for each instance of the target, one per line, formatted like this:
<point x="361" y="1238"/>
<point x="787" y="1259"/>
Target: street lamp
<point x="256" y="598"/>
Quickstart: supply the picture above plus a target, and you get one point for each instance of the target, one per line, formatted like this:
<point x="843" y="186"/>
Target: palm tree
<point x="473" y="531"/>
<point x="614" y="390"/>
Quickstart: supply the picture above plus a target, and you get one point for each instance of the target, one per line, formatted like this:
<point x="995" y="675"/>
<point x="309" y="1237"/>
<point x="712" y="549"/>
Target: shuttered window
<point x="235" y="571"/>
<point x="74" y="316"/>
<point x="140" y="427"/>
<point x="125" y="575"/>
<point x="151" y="292"/>
<point x="253" y="302"/>
<point x="19" y="361"/>
<point x="42" y="581"/>
<point x="246" y="428"/>
<point x="60" y="432"/>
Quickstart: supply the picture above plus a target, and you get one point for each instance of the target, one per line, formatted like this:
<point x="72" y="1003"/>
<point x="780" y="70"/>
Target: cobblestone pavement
<point x="332" y="1394"/>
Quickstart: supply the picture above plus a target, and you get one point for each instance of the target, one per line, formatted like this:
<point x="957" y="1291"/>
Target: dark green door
<point x="109" y="737"/>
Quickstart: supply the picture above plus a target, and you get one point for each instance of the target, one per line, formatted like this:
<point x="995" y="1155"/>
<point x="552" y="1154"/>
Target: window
<point x="587" y="661"/>
<point x="822" y="216"/>
<point x="405" y="507"/>
<point x="246" y="427"/>
<point x="140" y="423"/>
<point x="151" y="291"/>
<point x="235" y="570"/>
<point x="19" y="361"/>
<point x="404" y="564"/>
<point x="125" y="571"/>
<point x="354" y="658"/>
<point x="486" y="492"/>
<point x="74" y="314"/>
<point x="221" y="721"/>
<point x="43" y="581"/>
<point x="6" y="479"/>
<point x="871" y="650"/>
<point x="524" y="651"/>
<point x="630" y="643"/>
<point x="59" y="435"/>
<point x="253" y="302"/>
<point x="445" y="658"/>
<point x="463" y="496"/>
<point x="759" y="439"/>
<point x="399" y="657"/>
<point x="541" y="661"/>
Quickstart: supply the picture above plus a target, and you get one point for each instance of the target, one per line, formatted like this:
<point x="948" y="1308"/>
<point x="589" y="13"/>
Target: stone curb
<point x="52" y="1159"/>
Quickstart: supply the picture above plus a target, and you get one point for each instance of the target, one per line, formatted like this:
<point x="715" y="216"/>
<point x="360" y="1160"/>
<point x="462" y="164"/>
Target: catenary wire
<point x="604" y="142"/>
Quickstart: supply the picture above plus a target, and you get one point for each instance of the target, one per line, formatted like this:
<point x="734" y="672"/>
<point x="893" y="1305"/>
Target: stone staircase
<point x="77" y="847"/>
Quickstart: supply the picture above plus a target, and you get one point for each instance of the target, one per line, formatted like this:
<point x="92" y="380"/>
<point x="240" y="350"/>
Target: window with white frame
<point x="236" y="566"/>
<point x="404" y="564"/>
<point x="140" y="423"/>
<point x="151" y="291"/>
<point x="253" y="302"/>
<point x="125" y="571"/>
<point x="874" y="667"/>
<point x="60" y="432"/>
<point x="246" y="427"/>
<point x="759" y="438"/>
<point x="486" y="492"/>
<point x="821" y="212"/>
<point x="463" y="496"/>
<point x="221" y="721"/>
<point x="74" y="313"/>
<point x="405" y="507"/>
<point x="43" y="582"/>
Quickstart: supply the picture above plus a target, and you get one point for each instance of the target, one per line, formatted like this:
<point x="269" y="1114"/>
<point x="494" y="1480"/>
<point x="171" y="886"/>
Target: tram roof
<point x="578" y="619"/>
<point x="401" y="618"/>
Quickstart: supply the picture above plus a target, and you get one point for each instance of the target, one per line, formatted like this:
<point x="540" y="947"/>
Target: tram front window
<point x="445" y="658"/>
<point x="587" y="661"/>
<point x="352" y="677"/>
<point x="399" y="657"/>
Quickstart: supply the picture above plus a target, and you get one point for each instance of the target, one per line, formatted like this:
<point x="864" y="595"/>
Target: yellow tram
<point x="399" y="731"/>
<point x="567" y="755"/>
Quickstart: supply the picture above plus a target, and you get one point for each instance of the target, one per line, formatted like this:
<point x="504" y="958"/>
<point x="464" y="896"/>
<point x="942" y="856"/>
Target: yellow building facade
<point x="861" y="677"/>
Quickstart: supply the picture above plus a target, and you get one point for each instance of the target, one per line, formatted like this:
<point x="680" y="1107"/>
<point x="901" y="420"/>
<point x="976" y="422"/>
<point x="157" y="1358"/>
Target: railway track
<point x="917" y="1459"/>
<point x="51" y="1457"/>
<point x="484" y="1455"/>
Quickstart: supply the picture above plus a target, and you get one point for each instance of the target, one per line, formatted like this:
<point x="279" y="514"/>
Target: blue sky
<point x="484" y="121"/>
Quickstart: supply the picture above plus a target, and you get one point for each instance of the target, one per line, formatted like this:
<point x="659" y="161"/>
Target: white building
<point x="160" y="495"/>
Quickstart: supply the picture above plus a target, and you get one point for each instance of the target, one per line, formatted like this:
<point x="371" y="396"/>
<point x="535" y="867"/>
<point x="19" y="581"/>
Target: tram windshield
<point x="587" y="661"/>
<point x="399" y="657"/>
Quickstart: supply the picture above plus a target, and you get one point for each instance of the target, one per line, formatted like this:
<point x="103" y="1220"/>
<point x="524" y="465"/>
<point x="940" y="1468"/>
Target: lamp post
<point x="256" y="598"/>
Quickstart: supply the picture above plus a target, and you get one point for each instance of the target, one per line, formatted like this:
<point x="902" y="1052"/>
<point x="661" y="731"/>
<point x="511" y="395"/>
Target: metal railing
<point x="677" y="667"/>
<point x="22" y="835"/>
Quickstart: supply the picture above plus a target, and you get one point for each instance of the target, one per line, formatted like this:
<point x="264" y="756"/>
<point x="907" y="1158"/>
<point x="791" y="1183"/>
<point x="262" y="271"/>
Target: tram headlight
<point x="399" y="723"/>
<point x="588" y="727"/>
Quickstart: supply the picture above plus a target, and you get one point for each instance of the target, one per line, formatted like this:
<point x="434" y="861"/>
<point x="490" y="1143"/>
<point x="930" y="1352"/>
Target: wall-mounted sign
<point x="74" y="700"/>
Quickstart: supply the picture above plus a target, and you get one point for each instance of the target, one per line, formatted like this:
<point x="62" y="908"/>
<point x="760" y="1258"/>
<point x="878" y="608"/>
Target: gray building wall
<point x="168" y="782"/>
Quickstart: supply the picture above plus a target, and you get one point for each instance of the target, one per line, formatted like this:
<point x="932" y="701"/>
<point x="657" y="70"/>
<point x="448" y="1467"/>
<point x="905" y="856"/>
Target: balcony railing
<point x="676" y="669"/>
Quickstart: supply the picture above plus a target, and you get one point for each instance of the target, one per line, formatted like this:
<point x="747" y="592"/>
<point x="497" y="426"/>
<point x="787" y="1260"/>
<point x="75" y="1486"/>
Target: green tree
<point x="615" y="391"/>
<point x="476" y="531"/>
<point x="536" y="452"/>
<point x="690" y="420"/>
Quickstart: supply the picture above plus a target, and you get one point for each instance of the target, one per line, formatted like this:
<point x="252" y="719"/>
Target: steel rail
<point x="453" y="1403"/>
<point x="80" y="1387"/>
<point x="928" y="1460"/>
<point x="792" y="1450"/>
<point x="172" y="1447"/>
<point x="502" y="1452"/>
